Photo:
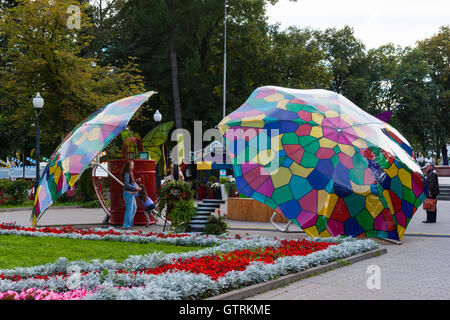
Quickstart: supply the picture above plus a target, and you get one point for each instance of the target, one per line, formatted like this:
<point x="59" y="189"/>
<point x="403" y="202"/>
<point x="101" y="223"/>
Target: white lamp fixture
<point x="157" y="116"/>
<point x="38" y="102"/>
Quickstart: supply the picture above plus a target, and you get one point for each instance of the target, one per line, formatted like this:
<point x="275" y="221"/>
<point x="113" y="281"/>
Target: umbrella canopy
<point x="80" y="147"/>
<point x="324" y="163"/>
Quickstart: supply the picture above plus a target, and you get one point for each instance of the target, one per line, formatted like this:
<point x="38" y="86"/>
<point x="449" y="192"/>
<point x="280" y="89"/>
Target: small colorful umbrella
<point x="324" y="163"/>
<point x="80" y="147"/>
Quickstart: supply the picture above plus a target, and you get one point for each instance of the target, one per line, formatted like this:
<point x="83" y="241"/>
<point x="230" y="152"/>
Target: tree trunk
<point x="444" y="155"/>
<point x="175" y="88"/>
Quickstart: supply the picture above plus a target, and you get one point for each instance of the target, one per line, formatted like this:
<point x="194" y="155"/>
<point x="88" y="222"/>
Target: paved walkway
<point x="416" y="270"/>
<point x="419" y="268"/>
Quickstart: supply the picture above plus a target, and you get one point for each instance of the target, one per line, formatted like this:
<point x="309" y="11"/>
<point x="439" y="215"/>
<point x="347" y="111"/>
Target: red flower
<point x="214" y="266"/>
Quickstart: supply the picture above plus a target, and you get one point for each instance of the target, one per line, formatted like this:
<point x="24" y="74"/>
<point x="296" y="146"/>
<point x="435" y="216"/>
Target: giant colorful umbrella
<point x="324" y="163"/>
<point x="80" y="147"/>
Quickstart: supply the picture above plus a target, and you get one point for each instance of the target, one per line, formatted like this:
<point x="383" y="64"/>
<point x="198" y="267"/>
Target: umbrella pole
<point x="106" y="170"/>
<point x="286" y="229"/>
<point x="392" y="241"/>
<point x="165" y="222"/>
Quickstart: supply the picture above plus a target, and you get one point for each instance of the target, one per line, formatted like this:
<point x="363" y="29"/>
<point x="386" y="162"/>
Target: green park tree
<point x="382" y="67"/>
<point x="258" y="54"/>
<point x="346" y="59"/>
<point x="43" y="54"/>
<point x="423" y="90"/>
<point x="179" y="45"/>
<point x="436" y="50"/>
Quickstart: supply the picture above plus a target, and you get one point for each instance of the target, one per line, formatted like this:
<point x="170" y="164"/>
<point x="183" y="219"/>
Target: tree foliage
<point x="44" y="55"/>
<point x="176" y="48"/>
<point x="256" y="53"/>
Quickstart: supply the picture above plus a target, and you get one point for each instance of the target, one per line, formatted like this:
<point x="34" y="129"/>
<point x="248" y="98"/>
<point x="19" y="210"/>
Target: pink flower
<point x="38" y="294"/>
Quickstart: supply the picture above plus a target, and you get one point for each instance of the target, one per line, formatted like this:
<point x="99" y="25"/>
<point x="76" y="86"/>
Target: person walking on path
<point x="130" y="188"/>
<point x="433" y="190"/>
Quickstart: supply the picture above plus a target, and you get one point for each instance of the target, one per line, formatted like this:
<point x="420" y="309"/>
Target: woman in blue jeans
<point x="130" y="188"/>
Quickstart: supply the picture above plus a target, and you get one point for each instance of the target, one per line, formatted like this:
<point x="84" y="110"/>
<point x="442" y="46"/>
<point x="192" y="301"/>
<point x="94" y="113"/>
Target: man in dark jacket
<point x="433" y="190"/>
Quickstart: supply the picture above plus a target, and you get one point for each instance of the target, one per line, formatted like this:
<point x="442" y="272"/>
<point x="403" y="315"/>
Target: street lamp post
<point x="38" y="103"/>
<point x="157" y="117"/>
<point x="224" y="62"/>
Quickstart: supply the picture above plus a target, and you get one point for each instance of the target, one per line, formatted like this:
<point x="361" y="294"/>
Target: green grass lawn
<point x="18" y="251"/>
<point x="29" y="204"/>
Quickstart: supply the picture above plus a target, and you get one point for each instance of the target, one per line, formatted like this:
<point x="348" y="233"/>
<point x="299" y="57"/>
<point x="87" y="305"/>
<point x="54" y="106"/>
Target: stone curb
<point x="243" y="293"/>
<point x="30" y="208"/>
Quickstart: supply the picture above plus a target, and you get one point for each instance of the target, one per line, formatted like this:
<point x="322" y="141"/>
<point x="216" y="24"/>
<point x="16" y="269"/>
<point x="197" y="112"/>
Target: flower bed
<point x="217" y="266"/>
<point x="109" y="234"/>
<point x="38" y="294"/>
<point x="230" y="264"/>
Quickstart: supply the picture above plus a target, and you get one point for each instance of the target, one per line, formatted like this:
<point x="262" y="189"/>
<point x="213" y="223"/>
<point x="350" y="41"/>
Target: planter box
<point x="217" y="194"/>
<point x="247" y="209"/>
<point x="223" y="192"/>
<point x="201" y="192"/>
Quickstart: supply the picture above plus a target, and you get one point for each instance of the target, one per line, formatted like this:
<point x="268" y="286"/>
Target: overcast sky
<point x="375" y="22"/>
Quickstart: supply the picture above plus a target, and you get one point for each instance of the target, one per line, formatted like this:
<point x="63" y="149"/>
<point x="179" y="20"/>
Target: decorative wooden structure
<point x="247" y="209"/>
<point x="144" y="169"/>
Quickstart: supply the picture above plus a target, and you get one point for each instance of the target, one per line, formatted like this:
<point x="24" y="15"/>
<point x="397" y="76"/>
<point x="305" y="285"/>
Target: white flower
<point x="215" y="185"/>
<point x="176" y="284"/>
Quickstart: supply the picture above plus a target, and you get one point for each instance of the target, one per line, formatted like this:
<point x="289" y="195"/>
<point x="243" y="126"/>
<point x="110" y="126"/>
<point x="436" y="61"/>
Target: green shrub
<point x="215" y="226"/>
<point x="19" y="190"/>
<point x="5" y="184"/>
<point x="212" y="179"/>
<point x="85" y="186"/>
<point x="91" y="204"/>
<point x="174" y="190"/>
<point x="65" y="198"/>
<point x="182" y="228"/>
<point x="177" y="198"/>
<point x="230" y="188"/>
<point x="223" y="180"/>
<point x="181" y="213"/>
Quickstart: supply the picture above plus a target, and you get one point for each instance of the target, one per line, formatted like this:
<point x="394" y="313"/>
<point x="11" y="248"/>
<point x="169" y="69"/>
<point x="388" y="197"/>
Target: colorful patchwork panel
<point x="324" y="163"/>
<point x="80" y="147"/>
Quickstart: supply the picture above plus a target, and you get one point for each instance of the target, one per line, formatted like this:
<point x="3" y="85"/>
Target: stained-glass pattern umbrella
<point x="80" y="147"/>
<point x="324" y="163"/>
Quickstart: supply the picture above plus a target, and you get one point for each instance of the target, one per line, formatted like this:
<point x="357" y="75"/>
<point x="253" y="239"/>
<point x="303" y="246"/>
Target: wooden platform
<point x="246" y="209"/>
